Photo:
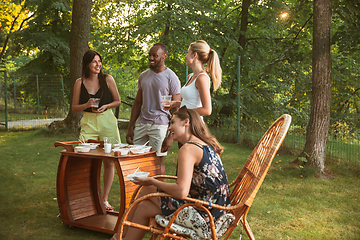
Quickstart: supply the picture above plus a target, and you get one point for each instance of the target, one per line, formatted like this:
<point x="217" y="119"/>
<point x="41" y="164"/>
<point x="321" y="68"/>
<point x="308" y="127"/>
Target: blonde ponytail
<point x="214" y="69"/>
<point x="209" y="56"/>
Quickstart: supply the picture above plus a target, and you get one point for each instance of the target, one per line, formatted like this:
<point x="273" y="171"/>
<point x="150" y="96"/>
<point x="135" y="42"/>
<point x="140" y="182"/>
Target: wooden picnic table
<point x="78" y="185"/>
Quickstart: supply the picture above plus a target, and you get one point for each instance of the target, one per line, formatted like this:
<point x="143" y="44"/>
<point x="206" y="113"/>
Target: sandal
<point x="108" y="206"/>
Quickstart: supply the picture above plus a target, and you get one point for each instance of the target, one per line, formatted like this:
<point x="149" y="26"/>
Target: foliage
<point x="345" y="106"/>
<point x="44" y="39"/>
<point x="304" y="160"/>
<point x="271" y="80"/>
<point x="275" y="50"/>
<point x="14" y="18"/>
<point x="126" y="80"/>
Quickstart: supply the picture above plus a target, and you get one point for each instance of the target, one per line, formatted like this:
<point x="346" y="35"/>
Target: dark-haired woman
<point x="101" y="122"/>
<point x="200" y="174"/>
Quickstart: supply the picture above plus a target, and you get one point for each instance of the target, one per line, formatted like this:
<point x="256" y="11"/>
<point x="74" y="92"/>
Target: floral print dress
<point x="209" y="183"/>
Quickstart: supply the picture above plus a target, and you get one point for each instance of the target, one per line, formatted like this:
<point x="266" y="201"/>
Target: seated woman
<point x="200" y="174"/>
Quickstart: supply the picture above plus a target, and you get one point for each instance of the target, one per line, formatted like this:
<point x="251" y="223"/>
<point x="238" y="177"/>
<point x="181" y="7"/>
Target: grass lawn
<point x="291" y="203"/>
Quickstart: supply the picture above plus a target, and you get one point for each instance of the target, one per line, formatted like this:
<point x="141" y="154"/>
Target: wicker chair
<point x="244" y="188"/>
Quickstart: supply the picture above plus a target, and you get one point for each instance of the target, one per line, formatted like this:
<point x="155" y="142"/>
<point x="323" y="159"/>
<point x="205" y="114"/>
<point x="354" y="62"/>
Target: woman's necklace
<point x="193" y="78"/>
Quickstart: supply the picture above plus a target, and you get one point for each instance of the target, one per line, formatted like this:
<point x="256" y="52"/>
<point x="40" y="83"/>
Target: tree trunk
<point x="80" y="29"/>
<point x="244" y="23"/>
<point x="242" y="42"/>
<point x="318" y="127"/>
<point x="165" y="36"/>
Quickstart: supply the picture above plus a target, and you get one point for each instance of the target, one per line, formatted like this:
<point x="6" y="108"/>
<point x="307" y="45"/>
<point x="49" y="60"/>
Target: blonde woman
<point x="195" y="93"/>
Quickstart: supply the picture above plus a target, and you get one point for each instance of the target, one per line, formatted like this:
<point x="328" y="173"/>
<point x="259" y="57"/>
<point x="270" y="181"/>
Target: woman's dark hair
<point x="85" y="71"/>
<point x="198" y="128"/>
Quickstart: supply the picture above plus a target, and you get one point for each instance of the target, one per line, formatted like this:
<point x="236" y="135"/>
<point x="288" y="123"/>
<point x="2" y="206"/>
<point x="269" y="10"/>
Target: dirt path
<point x="34" y="123"/>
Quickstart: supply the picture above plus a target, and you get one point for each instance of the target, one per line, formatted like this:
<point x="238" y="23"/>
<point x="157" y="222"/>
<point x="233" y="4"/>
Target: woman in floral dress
<point x="200" y="174"/>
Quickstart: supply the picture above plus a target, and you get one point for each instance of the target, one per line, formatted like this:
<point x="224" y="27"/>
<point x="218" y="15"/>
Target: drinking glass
<point x="107" y="144"/>
<point x="95" y="106"/>
<point x="166" y="102"/>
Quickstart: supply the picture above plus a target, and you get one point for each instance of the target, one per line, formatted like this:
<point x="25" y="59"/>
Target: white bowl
<point x="120" y="145"/>
<point x="82" y="148"/>
<point x="121" y="151"/>
<point x="91" y="145"/>
<point x="147" y="148"/>
<point x="137" y="174"/>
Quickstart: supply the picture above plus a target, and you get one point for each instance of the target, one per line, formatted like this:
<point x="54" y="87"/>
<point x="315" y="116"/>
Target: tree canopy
<point x="273" y="38"/>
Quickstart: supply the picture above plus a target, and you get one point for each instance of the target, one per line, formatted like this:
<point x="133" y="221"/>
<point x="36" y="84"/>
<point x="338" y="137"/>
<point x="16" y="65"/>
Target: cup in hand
<point x="107" y="144"/>
<point x="166" y="102"/>
<point x="95" y="105"/>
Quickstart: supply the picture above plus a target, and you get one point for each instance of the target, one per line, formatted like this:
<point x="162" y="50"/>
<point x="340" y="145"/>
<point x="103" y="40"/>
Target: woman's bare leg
<point x="142" y="213"/>
<point x="108" y="178"/>
<point x="145" y="210"/>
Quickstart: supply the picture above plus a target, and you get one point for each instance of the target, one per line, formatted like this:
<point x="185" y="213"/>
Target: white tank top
<point x="190" y="94"/>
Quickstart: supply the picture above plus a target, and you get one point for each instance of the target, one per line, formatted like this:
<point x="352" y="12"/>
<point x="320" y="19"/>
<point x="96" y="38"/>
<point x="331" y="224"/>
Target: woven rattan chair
<point x="244" y="187"/>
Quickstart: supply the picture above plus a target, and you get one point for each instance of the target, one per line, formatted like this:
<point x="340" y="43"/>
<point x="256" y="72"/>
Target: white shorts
<point x="154" y="133"/>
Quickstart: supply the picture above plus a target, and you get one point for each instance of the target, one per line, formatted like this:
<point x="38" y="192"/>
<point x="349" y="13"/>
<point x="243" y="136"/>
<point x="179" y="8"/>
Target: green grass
<point x="291" y="203"/>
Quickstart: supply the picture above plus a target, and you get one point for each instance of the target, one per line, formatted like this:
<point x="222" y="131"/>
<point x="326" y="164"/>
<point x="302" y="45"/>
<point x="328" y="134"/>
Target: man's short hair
<point x="162" y="46"/>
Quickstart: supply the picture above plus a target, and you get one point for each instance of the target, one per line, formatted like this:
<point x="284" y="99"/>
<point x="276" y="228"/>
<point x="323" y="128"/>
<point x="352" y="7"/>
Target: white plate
<point x="91" y="145"/>
<point x="137" y="151"/>
<point x="136" y="146"/>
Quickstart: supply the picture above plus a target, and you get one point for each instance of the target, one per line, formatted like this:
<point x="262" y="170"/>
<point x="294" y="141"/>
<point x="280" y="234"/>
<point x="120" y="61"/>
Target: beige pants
<point x="152" y="132"/>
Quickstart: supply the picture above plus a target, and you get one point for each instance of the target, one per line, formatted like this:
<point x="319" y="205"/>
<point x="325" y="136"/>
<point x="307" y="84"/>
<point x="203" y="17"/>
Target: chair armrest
<point x="191" y="202"/>
<point x="164" y="177"/>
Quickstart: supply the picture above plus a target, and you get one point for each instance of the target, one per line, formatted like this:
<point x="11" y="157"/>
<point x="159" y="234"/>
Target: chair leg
<point x="153" y="236"/>
<point x="247" y="229"/>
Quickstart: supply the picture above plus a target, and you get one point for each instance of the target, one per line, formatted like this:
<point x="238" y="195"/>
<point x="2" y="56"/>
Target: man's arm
<point x="135" y="113"/>
<point x="175" y="87"/>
